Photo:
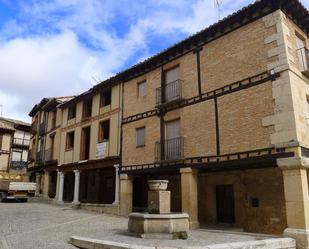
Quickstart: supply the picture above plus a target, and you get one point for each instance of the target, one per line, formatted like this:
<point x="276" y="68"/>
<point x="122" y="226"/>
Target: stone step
<point x="274" y="243"/>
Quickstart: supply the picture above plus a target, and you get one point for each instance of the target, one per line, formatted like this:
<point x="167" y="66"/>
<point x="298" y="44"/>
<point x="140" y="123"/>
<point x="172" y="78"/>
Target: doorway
<point x="85" y="144"/>
<point x="225" y="204"/>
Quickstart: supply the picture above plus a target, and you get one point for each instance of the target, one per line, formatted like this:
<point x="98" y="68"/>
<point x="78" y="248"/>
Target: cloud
<point x="34" y="68"/>
<point x="56" y="47"/>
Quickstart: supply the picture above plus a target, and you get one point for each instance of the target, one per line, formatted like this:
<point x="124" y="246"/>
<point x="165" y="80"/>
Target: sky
<point x="63" y="47"/>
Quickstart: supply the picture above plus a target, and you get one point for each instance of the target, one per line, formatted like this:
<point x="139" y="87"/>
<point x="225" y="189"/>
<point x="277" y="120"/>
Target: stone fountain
<point x="159" y="222"/>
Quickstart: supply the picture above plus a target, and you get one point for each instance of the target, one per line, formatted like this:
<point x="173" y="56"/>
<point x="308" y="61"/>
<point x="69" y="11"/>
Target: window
<point x="87" y="108"/>
<point x="72" y="112"/>
<point x="141" y="89"/>
<point x="104" y="131"/>
<point x="301" y="51"/>
<point x="1" y="138"/>
<point x="53" y="119"/>
<point x="70" y="140"/>
<point x="85" y="144"/>
<point x="105" y="97"/>
<point x="140" y="137"/>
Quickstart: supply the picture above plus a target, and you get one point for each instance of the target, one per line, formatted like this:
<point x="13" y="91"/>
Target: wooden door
<point x="225" y="204"/>
<point x="85" y="144"/>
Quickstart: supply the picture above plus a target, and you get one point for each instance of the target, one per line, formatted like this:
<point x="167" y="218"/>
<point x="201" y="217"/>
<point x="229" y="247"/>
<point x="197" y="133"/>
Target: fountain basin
<point x="159" y="226"/>
<point x="157" y="185"/>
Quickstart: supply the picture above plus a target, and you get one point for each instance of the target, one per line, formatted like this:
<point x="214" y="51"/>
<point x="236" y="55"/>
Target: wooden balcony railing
<point x="44" y="156"/>
<point x="172" y="92"/>
<point x="172" y="149"/>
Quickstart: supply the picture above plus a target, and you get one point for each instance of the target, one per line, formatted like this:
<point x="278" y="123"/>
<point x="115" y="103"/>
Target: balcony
<point x="42" y="128"/>
<point x="172" y="93"/>
<point x="34" y="128"/>
<point x="45" y="156"/>
<point x="172" y="149"/>
<point x="18" y="165"/>
<point x="48" y="155"/>
<point x="21" y="142"/>
<point x="303" y="56"/>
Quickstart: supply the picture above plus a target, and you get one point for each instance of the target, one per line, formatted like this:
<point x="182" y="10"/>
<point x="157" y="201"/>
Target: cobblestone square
<point x="45" y="226"/>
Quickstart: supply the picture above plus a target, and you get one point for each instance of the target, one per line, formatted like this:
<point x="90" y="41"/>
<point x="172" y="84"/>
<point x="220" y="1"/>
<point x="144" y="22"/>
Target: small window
<point x="87" y="108"/>
<point x="105" y="98"/>
<point x="53" y="119"/>
<point x="70" y="140"/>
<point x="141" y="89"/>
<point x="140" y="137"/>
<point x="302" y="52"/>
<point x="104" y="131"/>
<point x="72" y="112"/>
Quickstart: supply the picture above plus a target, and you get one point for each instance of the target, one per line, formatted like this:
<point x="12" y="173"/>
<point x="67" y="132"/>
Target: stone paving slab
<point x="38" y="225"/>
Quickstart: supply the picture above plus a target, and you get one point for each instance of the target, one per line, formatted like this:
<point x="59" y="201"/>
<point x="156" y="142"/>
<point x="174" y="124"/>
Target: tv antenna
<point x="1" y="110"/>
<point x="218" y="3"/>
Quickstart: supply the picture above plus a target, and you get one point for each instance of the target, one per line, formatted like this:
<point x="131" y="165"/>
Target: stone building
<point x="14" y="146"/>
<point x="223" y="115"/>
<point x="76" y="145"/>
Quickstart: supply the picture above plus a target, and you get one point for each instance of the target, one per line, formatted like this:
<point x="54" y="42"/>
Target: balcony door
<point x="85" y="144"/>
<point x="301" y="52"/>
<point x="172" y="88"/>
<point x="173" y="141"/>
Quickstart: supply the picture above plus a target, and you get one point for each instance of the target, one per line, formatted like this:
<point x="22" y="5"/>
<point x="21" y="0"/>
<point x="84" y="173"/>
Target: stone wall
<point x="230" y="58"/>
<point x="265" y="184"/>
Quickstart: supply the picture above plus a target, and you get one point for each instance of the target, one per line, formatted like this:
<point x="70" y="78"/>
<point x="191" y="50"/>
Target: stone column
<point x="189" y="202"/>
<point x="61" y="184"/>
<point x="76" y="187"/>
<point x="116" y="184"/>
<point x="46" y="184"/>
<point x="57" y="188"/>
<point x="295" y="181"/>
<point x="38" y="184"/>
<point x="126" y="194"/>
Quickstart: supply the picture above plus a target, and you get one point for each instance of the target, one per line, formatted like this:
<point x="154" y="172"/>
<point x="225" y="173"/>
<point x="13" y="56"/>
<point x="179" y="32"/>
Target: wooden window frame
<point x="101" y="133"/>
<point x="138" y="88"/>
<point x="68" y="147"/>
<point x="73" y="107"/>
<point x="87" y="107"/>
<point x="136" y="137"/>
<point x="103" y="99"/>
<point x="83" y="141"/>
<point x="53" y="119"/>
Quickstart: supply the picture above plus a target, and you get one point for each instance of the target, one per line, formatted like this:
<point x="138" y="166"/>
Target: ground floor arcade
<point x="93" y="183"/>
<point x="270" y="199"/>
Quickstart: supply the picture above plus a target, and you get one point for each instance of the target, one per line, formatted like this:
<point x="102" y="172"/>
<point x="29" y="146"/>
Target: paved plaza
<point x="38" y="225"/>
